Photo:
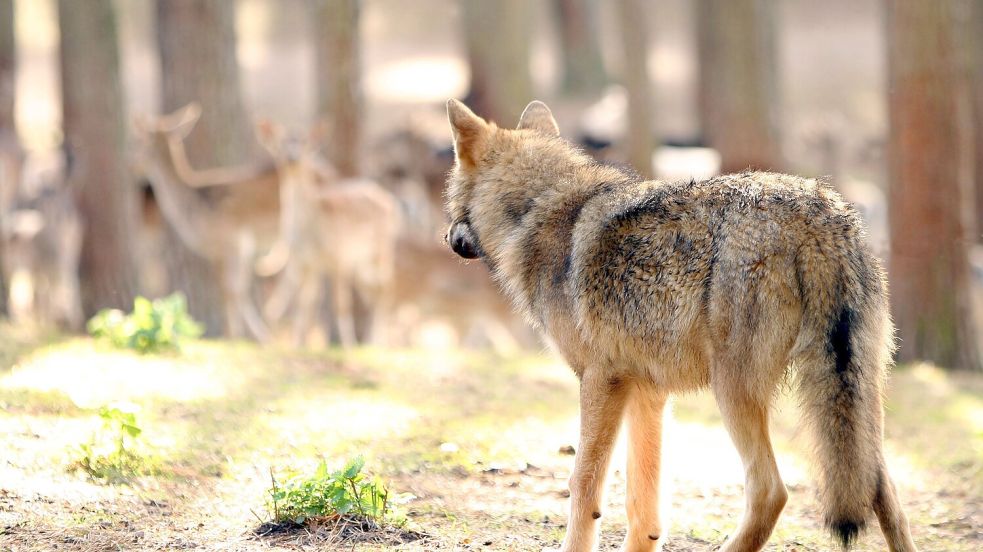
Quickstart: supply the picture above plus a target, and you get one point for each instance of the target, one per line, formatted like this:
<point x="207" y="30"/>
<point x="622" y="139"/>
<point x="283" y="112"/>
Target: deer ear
<point x="536" y="116"/>
<point x="268" y="133"/>
<point x="468" y="130"/>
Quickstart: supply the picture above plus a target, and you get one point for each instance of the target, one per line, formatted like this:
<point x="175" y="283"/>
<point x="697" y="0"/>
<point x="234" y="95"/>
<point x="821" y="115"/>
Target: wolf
<point x="650" y="288"/>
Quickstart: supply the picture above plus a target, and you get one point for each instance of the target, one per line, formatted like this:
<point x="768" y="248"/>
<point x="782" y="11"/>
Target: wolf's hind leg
<point x="746" y="419"/>
<point x="646" y="530"/>
<point x="892" y="519"/>
<point x="602" y="403"/>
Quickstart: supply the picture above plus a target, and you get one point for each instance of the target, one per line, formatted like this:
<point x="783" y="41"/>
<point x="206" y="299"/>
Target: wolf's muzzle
<point x="462" y="240"/>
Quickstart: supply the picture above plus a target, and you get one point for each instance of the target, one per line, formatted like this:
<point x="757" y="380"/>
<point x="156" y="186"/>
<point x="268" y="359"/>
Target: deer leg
<point x="242" y="279"/>
<point x="343" y="303"/>
<point x="308" y="301"/>
<point x="284" y="292"/>
<point x="71" y="298"/>
<point x="379" y="298"/>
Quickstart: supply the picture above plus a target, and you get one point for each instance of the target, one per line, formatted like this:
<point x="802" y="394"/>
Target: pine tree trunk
<point x="640" y="141"/>
<point x="8" y="70"/>
<point x="975" y="36"/>
<point x="928" y="150"/>
<point x="198" y="63"/>
<point x="498" y="38"/>
<point x="580" y="47"/>
<point x="95" y="137"/>
<point x="10" y="151"/>
<point x="738" y="91"/>
<point x="339" y="92"/>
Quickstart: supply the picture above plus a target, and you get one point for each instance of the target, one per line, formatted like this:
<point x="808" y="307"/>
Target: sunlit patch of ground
<point x="474" y="438"/>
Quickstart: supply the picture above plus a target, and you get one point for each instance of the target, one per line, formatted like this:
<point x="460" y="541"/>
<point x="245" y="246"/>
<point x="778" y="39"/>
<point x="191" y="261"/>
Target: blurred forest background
<point x="281" y="164"/>
<point x="883" y="97"/>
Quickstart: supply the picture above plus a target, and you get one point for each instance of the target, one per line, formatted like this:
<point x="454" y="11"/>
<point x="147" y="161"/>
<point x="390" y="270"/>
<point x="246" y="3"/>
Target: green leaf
<point x="353" y="467"/>
<point x="132" y="430"/>
<point x="322" y="470"/>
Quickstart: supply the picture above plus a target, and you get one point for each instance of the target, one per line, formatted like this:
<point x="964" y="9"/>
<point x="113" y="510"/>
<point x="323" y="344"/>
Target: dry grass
<point x="476" y="440"/>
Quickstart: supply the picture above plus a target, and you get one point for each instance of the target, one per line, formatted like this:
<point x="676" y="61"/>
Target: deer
<point x="343" y="229"/>
<point x="227" y="215"/>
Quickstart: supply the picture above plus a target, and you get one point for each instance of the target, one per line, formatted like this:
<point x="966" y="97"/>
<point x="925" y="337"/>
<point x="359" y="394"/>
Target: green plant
<point x="110" y="453"/>
<point x="326" y="494"/>
<point x="153" y="326"/>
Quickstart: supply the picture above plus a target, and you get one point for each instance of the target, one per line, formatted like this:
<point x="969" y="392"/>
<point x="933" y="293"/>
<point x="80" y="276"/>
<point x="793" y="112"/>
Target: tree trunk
<point x="10" y="151"/>
<point x="339" y="91"/>
<point x="95" y="138"/>
<point x="929" y="149"/>
<point x="8" y="62"/>
<point x="498" y="37"/>
<point x="738" y="92"/>
<point x="975" y="36"/>
<point x="580" y="47"/>
<point x="640" y="141"/>
<point x="198" y="63"/>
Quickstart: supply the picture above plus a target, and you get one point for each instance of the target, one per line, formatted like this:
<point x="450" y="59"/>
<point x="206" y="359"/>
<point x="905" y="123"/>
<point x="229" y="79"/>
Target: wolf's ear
<point x="467" y="128"/>
<point x="537" y="116"/>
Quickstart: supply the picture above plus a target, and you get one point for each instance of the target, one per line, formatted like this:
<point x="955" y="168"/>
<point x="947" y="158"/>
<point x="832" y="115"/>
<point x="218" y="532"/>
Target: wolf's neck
<point x="532" y="256"/>
<point x="550" y="185"/>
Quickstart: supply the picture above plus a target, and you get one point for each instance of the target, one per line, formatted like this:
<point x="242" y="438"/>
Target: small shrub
<point x="153" y="326"/>
<point x="111" y="454"/>
<point x="324" y="494"/>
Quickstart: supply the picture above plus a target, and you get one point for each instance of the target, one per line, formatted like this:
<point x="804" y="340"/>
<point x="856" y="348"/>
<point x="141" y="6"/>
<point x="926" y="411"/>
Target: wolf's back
<point x="653" y="259"/>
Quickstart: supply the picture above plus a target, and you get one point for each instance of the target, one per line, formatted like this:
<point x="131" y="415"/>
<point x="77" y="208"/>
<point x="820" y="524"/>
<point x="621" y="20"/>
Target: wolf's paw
<point x="648" y="545"/>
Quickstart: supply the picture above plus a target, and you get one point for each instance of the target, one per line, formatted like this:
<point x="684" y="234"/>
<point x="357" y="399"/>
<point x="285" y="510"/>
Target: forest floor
<point x="471" y="441"/>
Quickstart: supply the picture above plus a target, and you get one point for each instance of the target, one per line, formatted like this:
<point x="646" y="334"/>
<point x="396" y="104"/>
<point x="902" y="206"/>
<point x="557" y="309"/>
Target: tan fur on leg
<point x="746" y="418"/>
<point x="892" y="519"/>
<point x="646" y="530"/>
<point x="602" y="403"/>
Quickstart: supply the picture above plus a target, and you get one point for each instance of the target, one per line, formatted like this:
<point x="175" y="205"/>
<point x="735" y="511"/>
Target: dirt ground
<point x="472" y="442"/>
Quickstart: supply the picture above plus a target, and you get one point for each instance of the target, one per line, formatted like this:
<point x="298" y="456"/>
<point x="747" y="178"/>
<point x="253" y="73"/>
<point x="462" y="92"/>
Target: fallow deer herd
<point x="284" y="237"/>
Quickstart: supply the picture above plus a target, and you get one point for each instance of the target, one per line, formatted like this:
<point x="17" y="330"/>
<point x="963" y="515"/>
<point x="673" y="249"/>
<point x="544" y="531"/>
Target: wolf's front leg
<point x="646" y="531"/>
<point x="602" y="403"/>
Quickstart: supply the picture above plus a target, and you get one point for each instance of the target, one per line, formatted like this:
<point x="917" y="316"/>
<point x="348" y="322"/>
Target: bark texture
<point x="198" y="64"/>
<point x="339" y="90"/>
<point x="580" y="47"/>
<point x="95" y="138"/>
<point x="738" y="92"/>
<point x="640" y="141"/>
<point x="498" y="40"/>
<point x="975" y="42"/>
<point x="929" y="152"/>
<point x="10" y="151"/>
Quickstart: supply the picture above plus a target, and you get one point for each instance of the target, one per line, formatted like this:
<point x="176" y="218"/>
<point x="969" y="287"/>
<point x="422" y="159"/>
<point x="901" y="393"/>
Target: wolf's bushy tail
<point x="849" y="341"/>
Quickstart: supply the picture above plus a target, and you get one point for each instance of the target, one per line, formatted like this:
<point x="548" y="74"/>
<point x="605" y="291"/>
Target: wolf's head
<point x="498" y="173"/>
